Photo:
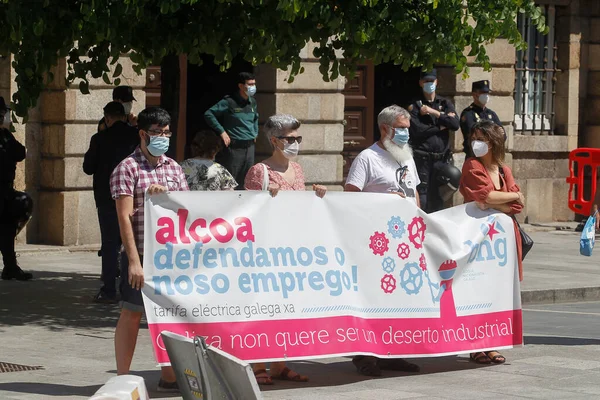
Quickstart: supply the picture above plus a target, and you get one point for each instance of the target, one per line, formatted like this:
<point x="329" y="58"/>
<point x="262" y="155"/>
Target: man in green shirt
<point x="235" y="119"/>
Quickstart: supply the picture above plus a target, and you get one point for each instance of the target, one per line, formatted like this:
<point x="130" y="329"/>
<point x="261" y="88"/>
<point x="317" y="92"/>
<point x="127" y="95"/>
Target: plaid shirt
<point x="134" y="175"/>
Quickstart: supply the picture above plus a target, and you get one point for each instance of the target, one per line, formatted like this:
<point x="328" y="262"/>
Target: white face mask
<point x="480" y="148"/>
<point x="128" y="107"/>
<point x="6" y="121"/>
<point x="290" y="150"/>
<point x="484" y="98"/>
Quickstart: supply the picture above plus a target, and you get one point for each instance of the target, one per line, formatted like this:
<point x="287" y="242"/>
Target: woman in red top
<point x="487" y="181"/>
<point x="283" y="174"/>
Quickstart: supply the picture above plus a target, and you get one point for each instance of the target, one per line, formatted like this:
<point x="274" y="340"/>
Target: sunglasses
<point x="291" y="139"/>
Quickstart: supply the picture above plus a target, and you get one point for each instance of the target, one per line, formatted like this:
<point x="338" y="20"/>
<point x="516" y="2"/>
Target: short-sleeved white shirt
<point x="375" y="170"/>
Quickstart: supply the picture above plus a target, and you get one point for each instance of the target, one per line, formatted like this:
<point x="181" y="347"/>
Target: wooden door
<point x="358" y="114"/>
<point x="153" y="86"/>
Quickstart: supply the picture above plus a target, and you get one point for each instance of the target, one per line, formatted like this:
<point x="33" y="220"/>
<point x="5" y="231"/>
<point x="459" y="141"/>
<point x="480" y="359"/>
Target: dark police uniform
<point x="15" y="207"/>
<point x="429" y="138"/>
<point x="473" y="114"/>
<point x="239" y="118"/>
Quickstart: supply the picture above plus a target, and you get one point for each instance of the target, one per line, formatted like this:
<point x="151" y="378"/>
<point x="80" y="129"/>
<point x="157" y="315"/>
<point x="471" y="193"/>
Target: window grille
<point x="535" y="77"/>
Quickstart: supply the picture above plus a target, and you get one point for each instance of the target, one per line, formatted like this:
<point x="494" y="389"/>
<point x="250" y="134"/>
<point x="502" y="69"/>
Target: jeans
<point x="111" y="244"/>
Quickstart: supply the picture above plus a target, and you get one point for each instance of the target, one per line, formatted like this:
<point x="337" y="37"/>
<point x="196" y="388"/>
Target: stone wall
<point x="57" y="136"/>
<point x="319" y="105"/>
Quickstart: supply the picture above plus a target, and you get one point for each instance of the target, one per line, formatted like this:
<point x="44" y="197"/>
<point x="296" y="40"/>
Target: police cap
<point x="481" y="86"/>
<point x="429" y="76"/>
<point x="123" y="93"/>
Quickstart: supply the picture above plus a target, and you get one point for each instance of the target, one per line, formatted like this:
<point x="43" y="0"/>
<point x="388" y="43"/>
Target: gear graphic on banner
<point x="411" y="278"/>
<point x="403" y="251"/>
<point x="416" y="232"/>
<point x="379" y="243"/>
<point x="388" y="283"/>
<point x="423" y="262"/>
<point x="389" y="265"/>
<point x="396" y="227"/>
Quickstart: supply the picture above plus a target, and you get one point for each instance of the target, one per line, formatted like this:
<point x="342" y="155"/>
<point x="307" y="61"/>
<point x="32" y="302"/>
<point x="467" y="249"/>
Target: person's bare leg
<point x="126" y="338"/>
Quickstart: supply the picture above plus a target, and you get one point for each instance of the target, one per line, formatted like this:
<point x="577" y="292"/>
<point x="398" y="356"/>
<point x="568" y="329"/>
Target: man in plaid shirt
<point x="147" y="169"/>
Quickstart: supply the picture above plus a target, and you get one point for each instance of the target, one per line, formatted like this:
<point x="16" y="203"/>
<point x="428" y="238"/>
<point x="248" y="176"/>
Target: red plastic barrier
<point x="582" y="158"/>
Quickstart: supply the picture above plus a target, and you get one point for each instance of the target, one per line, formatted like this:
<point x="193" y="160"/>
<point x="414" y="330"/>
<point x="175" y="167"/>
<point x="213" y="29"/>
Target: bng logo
<point x="493" y="245"/>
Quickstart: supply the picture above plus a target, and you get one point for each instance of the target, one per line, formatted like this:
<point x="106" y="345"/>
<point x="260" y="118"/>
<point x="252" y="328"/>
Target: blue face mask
<point x="401" y="136"/>
<point x="158" y="145"/>
<point x="251" y="90"/>
<point x="429" y="87"/>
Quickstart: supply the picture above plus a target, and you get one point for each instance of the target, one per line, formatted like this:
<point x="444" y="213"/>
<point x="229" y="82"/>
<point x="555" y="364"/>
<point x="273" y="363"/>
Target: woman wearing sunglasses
<point x="282" y="174"/>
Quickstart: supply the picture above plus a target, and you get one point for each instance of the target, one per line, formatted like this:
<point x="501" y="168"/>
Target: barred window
<point x="535" y="77"/>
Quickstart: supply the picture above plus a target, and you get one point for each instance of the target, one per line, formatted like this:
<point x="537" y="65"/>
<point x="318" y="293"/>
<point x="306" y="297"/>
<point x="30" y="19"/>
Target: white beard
<point x="401" y="153"/>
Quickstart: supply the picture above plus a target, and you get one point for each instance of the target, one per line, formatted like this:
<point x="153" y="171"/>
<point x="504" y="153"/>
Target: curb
<point x="567" y="295"/>
<point x="32" y="249"/>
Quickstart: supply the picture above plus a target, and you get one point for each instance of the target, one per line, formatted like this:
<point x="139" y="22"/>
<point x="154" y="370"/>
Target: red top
<point x="476" y="184"/>
<point x="254" y="178"/>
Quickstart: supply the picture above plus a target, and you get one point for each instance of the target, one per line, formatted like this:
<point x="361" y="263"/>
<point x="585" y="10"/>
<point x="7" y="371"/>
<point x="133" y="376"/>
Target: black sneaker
<point x="167" y="387"/>
<point x="15" y="273"/>
<point x="105" y="298"/>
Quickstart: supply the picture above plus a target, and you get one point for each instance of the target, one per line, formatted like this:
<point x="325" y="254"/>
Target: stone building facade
<point x="59" y="129"/>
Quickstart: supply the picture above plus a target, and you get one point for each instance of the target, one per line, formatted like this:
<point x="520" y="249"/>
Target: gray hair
<point x="388" y="115"/>
<point x="280" y="124"/>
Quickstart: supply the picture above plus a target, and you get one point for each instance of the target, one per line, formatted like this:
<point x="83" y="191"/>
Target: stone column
<point x="319" y="105"/>
<point x="69" y="118"/>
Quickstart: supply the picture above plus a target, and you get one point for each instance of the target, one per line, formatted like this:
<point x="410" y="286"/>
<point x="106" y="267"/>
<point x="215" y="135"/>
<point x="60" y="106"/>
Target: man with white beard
<point x="386" y="167"/>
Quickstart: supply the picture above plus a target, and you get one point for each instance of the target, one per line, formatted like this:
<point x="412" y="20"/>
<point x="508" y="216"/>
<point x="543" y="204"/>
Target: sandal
<point x="287" y="374"/>
<point x="480" y="358"/>
<point x="366" y="366"/>
<point x="496" y="359"/>
<point x="262" y="378"/>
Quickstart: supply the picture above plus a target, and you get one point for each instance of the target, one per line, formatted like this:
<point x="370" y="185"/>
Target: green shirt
<point x="234" y="115"/>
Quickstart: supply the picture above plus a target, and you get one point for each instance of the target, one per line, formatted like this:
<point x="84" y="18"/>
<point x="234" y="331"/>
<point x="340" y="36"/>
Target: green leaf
<point x="118" y="70"/>
<point x="84" y="87"/>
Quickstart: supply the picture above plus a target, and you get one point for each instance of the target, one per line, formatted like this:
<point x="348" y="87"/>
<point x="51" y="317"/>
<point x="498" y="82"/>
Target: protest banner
<point x="300" y="277"/>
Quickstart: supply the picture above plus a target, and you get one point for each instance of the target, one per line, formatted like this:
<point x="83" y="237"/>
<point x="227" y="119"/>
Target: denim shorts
<point x="131" y="299"/>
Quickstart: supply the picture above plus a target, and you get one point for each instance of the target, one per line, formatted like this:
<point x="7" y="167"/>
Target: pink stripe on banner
<point x="346" y="335"/>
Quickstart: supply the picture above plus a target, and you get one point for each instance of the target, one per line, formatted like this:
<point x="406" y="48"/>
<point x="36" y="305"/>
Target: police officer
<point x="15" y="207"/>
<point x="476" y="112"/>
<point x="432" y="119"/>
<point x="235" y="119"/>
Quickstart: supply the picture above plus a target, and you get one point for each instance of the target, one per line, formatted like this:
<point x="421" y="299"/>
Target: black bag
<point x="526" y="240"/>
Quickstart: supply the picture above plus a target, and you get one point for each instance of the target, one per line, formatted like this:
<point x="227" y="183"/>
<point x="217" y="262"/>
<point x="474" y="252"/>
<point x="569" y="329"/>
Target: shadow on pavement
<point x="560" y="341"/>
<point x="49" y="389"/>
<point x="56" y="301"/>
<point x="337" y="373"/>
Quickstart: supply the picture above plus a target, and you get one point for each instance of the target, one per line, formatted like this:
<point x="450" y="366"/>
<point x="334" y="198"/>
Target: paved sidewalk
<point x="52" y="322"/>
